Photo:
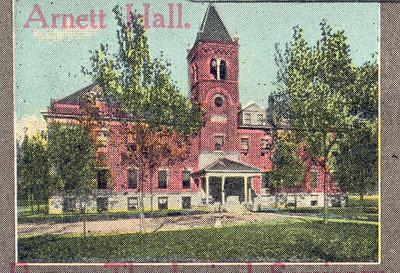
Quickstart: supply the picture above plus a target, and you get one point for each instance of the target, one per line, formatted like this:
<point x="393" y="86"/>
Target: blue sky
<point x="47" y="68"/>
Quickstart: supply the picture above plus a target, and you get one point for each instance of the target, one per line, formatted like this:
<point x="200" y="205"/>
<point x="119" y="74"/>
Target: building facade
<point x="230" y="157"/>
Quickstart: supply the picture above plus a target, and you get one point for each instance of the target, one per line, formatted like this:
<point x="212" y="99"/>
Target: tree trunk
<point x="151" y="189"/>
<point x="31" y="202"/>
<point x="141" y="177"/>
<point x="84" y="221"/>
<point x="325" y="208"/>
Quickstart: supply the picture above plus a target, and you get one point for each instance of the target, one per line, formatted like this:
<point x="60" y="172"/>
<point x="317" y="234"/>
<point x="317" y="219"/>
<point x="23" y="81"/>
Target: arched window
<point x="214" y="68"/>
<point x="222" y="70"/>
<point x="218" y="69"/>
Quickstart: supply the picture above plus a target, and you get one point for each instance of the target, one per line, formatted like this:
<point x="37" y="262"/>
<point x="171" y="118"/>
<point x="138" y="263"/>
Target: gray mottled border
<point x="390" y="151"/>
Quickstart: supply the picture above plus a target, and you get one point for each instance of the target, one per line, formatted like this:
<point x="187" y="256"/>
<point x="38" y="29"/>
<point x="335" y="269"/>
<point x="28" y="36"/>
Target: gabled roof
<point x="254" y="105"/>
<point x="226" y="165"/>
<point x="212" y="28"/>
<point x="76" y="96"/>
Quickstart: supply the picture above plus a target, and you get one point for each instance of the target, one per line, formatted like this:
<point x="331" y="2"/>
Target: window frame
<point x="129" y="203"/>
<point x="186" y="186"/>
<point x="246" y="118"/>
<point x="314" y="172"/>
<point x="183" y="202"/>
<point x="105" y="185"/>
<point x="136" y="182"/>
<point x="162" y="186"/>
<point x="105" y="208"/>
<point x="218" y="146"/>
<point x="161" y="205"/>
<point x="244" y="140"/>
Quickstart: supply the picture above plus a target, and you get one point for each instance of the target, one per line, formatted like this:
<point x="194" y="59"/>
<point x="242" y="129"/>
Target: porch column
<point x="245" y="188"/>
<point x="207" y="188"/>
<point x="223" y="190"/>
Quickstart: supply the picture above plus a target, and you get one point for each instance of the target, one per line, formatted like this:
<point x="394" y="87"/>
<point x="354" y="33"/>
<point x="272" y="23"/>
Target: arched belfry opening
<point x="218" y="68"/>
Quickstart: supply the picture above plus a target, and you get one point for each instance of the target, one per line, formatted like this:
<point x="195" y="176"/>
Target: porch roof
<point x="224" y="165"/>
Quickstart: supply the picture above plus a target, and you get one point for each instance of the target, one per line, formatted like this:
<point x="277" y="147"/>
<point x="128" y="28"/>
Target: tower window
<point x="218" y="101"/>
<point x="222" y="69"/>
<point x="219" y="142"/>
<point x="218" y="69"/>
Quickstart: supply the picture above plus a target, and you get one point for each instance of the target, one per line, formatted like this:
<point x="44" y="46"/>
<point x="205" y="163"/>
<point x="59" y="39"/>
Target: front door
<point x="234" y="186"/>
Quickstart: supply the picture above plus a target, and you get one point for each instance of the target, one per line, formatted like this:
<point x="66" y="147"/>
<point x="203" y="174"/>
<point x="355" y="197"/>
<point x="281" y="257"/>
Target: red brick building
<point x="230" y="157"/>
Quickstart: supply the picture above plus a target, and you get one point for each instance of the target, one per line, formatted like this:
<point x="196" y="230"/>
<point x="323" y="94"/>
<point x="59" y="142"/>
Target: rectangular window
<point x="219" y="142"/>
<point x="132" y="203"/>
<point x="162" y="202"/>
<point x="313" y="179"/>
<point x="247" y="118"/>
<point x="186" y="202"/>
<point x="102" y="203"/>
<point x="69" y="204"/>
<point x="245" y="144"/>
<point x="185" y="179"/>
<point x="102" y="178"/>
<point x="314" y="203"/>
<point x="260" y="119"/>
<point x="162" y="179"/>
<point x="132" y="178"/>
<point x="264" y="143"/>
<point x="265" y="180"/>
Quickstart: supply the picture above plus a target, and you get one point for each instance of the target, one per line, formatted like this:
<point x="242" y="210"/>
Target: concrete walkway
<point x="150" y="224"/>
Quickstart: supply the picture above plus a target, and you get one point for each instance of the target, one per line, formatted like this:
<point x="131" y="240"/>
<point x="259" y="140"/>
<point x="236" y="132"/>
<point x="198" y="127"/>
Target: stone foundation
<point x="116" y="201"/>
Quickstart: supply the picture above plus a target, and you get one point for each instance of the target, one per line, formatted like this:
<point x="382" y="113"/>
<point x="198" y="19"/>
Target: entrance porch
<point x="228" y="183"/>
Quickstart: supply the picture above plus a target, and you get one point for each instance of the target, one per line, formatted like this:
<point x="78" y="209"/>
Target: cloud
<point x="29" y="125"/>
<point x="66" y="34"/>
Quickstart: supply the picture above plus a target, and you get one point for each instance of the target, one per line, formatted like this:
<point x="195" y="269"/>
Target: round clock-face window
<point x="218" y="101"/>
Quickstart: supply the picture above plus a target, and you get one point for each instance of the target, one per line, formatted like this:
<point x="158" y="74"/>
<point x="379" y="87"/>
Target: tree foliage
<point x="71" y="152"/>
<point x="34" y="170"/>
<point x="288" y="168"/>
<point x="356" y="160"/>
<point x="160" y="119"/>
<point x="325" y="97"/>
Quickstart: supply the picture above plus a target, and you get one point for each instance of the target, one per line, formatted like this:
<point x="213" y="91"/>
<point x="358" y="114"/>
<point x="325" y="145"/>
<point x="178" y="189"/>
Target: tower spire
<point x="212" y="27"/>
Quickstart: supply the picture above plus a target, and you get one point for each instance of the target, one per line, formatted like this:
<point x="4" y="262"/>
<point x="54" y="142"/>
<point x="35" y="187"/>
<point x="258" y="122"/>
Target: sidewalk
<point x="150" y="224"/>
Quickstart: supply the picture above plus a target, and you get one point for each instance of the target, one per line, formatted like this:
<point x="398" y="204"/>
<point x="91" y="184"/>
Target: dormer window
<point x="218" y="69"/>
<point x="260" y="119"/>
<point x="247" y="118"/>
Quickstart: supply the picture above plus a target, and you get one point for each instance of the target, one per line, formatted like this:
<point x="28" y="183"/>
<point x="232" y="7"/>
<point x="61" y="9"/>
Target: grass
<point x="281" y="240"/>
<point x="369" y="201"/>
<point x="356" y="209"/>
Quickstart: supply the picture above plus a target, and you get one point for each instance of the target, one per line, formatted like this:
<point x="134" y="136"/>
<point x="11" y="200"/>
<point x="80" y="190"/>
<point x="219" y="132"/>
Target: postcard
<point x="195" y="135"/>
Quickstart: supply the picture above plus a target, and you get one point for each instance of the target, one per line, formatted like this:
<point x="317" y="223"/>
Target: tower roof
<point x="212" y="28"/>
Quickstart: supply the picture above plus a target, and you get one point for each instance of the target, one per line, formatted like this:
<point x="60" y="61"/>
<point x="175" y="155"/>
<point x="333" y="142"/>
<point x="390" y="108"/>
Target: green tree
<point x="316" y="87"/>
<point x="356" y="161"/>
<point x="71" y="153"/>
<point x="288" y="168"/>
<point x="34" y="171"/>
<point x="160" y="117"/>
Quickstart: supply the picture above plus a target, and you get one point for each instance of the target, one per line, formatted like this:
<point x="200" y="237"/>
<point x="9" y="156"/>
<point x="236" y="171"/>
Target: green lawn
<point x="280" y="240"/>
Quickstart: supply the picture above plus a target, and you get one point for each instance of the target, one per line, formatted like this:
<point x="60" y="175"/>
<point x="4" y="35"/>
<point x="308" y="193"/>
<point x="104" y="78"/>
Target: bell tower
<point x="213" y="80"/>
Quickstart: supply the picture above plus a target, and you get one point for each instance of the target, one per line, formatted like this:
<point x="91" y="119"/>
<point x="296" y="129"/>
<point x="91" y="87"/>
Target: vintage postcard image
<point x="192" y="132"/>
